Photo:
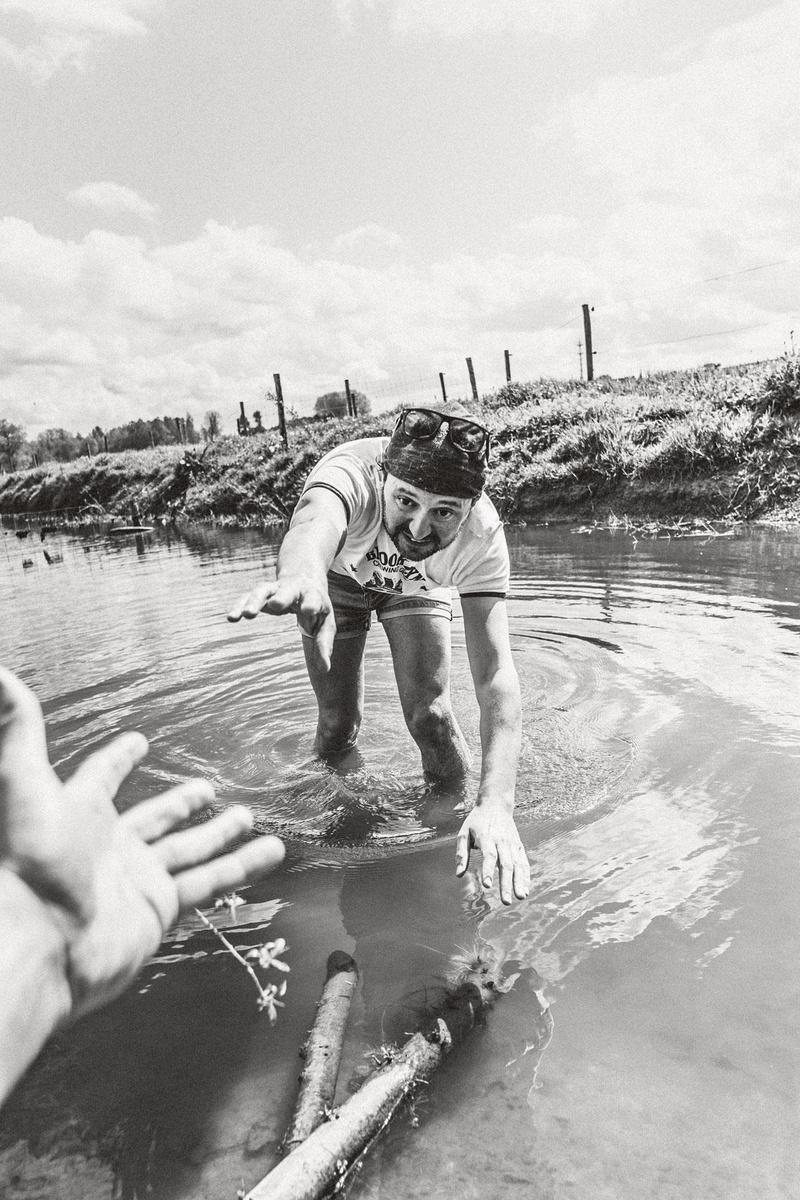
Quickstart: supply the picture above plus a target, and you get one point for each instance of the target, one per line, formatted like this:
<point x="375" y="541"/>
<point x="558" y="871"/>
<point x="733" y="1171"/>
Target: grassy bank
<point x="716" y="444"/>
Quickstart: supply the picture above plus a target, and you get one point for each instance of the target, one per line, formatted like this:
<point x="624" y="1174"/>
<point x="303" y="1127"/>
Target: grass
<point x="712" y="443"/>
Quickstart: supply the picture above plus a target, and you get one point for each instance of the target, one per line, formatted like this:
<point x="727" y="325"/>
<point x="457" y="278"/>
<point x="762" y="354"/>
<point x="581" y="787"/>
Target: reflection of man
<point x="408" y="514"/>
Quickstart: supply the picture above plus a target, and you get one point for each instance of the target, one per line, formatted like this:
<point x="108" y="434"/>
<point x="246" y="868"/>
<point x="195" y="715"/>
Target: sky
<point x="197" y="194"/>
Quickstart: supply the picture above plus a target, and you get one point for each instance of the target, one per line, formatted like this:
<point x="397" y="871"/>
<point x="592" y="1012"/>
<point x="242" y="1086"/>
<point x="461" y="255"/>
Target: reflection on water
<point x="648" y="1046"/>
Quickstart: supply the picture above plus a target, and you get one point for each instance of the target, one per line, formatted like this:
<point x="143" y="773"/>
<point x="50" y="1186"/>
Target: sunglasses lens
<point x="421" y="424"/>
<point x="467" y="435"/>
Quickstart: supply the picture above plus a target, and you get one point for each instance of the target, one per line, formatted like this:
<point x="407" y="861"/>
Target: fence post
<point x="281" y="417"/>
<point x="587" y="333"/>
<point x="472" y="382"/>
<point x="444" y="390"/>
<point x="507" y="354"/>
<point x="351" y="408"/>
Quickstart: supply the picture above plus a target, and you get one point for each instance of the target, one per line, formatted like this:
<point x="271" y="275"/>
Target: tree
<point x="334" y="404"/>
<point x="213" y="425"/>
<point x="258" y="426"/>
<point x="57" y="445"/>
<point x="12" y="439"/>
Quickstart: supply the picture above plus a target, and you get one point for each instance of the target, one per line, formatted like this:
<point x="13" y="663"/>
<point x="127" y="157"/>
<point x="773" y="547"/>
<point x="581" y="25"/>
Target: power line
<point x="696" y="337"/>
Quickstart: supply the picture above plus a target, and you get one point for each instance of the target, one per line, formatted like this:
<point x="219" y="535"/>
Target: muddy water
<point x="648" y="1047"/>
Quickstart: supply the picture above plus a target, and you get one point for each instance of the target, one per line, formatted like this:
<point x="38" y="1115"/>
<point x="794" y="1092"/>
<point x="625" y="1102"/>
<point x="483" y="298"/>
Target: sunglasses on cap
<point x="421" y="424"/>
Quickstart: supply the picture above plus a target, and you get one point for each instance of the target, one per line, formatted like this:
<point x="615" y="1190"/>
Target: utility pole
<point x="351" y="408"/>
<point x="508" y="365"/>
<point x="587" y="333"/>
<point x="472" y="382"/>
<point x="281" y="417"/>
<point x="580" y="359"/>
<point x="444" y="390"/>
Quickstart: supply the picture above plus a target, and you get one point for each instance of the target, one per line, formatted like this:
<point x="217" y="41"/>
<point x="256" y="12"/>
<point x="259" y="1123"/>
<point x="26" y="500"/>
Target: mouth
<point x="425" y="546"/>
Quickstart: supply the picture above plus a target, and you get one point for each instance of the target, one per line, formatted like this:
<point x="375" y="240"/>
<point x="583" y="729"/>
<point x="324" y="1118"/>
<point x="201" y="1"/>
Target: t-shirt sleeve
<point x="486" y="571"/>
<point x="345" y="476"/>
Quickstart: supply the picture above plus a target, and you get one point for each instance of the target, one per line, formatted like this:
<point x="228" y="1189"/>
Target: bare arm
<point x="490" y="826"/>
<point x="315" y="536"/>
<point x="86" y="895"/>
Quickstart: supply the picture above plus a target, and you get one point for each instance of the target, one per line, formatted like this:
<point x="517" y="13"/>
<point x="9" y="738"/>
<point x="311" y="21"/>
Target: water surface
<point x="649" y="1045"/>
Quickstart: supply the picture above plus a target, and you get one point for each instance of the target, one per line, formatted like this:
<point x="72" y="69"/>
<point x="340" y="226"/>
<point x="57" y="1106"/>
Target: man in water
<point x="390" y="525"/>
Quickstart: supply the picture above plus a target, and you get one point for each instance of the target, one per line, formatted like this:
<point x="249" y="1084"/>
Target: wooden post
<point x="587" y="333"/>
<point x="472" y="382"/>
<point x="281" y="417"/>
<point x="508" y="365"/>
<point x="444" y="389"/>
<point x="351" y="411"/>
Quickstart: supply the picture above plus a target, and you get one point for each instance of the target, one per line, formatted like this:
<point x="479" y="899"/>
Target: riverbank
<point x="716" y="444"/>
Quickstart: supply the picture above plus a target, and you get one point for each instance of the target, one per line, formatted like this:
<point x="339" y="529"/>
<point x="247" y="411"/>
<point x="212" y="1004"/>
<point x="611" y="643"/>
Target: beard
<point x="412" y="549"/>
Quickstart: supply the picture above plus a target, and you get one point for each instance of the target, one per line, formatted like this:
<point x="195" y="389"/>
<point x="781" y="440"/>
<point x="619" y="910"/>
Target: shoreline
<point x="717" y="445"/>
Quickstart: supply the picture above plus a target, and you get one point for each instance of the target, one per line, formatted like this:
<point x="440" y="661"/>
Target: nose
<point x="419" y="526"/>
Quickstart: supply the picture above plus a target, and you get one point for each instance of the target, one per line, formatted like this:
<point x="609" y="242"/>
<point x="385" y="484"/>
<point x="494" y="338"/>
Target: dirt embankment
<point x="721" y="445"/>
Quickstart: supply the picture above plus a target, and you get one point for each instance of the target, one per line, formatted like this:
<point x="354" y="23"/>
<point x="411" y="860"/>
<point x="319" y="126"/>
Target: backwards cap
<point x="435" y="464"/>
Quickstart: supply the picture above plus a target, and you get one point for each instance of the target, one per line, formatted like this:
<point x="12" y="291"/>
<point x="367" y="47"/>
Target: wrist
<point x="33" y="976"/>
<point x="498" y="801"/>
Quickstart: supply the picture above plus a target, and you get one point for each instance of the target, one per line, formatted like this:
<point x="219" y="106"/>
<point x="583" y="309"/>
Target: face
<point x="420" y="523"/>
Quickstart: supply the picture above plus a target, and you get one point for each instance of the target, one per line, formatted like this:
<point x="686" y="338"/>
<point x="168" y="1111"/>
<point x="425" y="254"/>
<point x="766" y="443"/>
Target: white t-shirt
<point x="475" y="563"/>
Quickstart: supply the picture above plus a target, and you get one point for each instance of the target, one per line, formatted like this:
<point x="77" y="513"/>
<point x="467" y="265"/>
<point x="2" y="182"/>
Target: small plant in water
<point x="265" y="957"/>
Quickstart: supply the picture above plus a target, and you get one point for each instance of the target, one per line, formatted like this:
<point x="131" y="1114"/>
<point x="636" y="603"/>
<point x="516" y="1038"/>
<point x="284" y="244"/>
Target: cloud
<point x="109" y="327"/>
<point x="44" y="36"/>
<point x="114" y="199"/>
<point x="365" y="236"/>
<point x="463" y="19"/>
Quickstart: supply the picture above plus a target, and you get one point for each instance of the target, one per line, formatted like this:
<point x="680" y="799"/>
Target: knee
<point x="337" y="732"/>
<point x="430" y="722"/>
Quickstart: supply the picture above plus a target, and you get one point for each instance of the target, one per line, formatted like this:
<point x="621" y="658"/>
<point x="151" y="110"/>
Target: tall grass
<point x="720" y="442"/>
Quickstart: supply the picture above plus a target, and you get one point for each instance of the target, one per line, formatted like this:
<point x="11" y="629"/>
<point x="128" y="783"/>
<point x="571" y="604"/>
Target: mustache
<point x="405" y="527"/>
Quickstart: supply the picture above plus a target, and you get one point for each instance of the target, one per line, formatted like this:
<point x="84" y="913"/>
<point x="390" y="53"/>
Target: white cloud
<point x="43" y="36"/>
<point x="114" y="199"/>
<point x="108" y="328"/>
<point x="462" y="19"/>
<point x="365" y="236"/>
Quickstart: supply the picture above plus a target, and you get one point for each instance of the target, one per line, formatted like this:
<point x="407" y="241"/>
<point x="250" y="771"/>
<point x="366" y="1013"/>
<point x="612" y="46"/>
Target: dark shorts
<point x="353" y="605"/>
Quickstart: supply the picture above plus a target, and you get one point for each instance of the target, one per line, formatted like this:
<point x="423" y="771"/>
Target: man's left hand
<point x="492" y="831"/>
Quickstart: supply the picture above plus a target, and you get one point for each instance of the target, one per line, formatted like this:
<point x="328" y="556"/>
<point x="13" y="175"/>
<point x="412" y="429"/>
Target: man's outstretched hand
<point x="492" y="830"/>
<point x="294" y="595"/>
<point x="101" y="888"/>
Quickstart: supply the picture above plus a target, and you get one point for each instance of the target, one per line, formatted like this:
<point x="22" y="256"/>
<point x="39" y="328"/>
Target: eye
<point x="445" y="514"/>
<point x="403" y="502"/>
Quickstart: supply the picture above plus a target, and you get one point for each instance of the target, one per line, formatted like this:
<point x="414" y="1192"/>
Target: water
<point x="649" y="1045"/>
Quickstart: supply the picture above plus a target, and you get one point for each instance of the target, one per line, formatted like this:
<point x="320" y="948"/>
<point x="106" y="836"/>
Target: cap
<point x="435" y="464"/>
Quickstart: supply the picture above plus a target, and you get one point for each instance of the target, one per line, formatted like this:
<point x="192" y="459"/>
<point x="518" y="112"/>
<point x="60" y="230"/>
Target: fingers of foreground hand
<point x="190" y="847"/>
<point x="252" y="603"/>
<point x="246" y="864"/>
<point x="98" y="778"/>
<point x="153" y="818"/>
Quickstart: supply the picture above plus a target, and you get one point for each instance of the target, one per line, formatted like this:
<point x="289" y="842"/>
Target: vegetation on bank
<point x="716" y="443"/>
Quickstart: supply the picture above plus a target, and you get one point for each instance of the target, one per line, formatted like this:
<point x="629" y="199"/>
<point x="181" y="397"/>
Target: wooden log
<point x="321" y="1163"/>
<point x="323" y="1051"/>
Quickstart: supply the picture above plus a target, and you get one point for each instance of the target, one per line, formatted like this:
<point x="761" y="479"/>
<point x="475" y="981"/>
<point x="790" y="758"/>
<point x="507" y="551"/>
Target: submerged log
<point x="320" y="1164"/>
<point x="323" y="1051"/>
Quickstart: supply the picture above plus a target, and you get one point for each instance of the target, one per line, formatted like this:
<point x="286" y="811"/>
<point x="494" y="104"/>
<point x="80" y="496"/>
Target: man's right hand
<point x="307" y="599"/>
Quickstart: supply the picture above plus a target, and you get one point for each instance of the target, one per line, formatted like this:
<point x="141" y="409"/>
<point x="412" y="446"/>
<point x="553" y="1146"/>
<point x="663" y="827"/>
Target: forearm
<point x="501" y="735"/>
<point x="33" y="978"/>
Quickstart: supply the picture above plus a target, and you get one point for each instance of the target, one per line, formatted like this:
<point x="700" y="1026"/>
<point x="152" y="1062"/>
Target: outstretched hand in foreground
<point x="86" y="895"/>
